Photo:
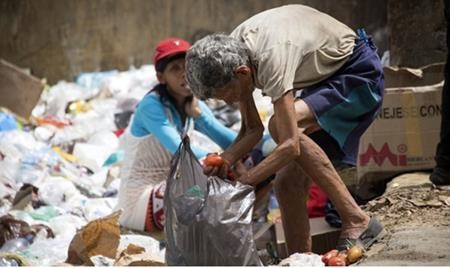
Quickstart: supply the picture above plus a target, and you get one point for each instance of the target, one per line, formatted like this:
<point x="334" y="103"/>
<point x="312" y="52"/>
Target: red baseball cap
<point x="170" y="47"/>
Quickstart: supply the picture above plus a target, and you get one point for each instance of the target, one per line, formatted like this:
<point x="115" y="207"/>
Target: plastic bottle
<point x="274" y="214"/>
<point x="15" y="245"/>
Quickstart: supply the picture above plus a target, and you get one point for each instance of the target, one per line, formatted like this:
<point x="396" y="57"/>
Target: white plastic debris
<point x="91" y="156"/>
<point x="48" y="252"/>
<point x="302" y="259"/>
<point x="66" y="225"/>
<point x="57" y="191"/>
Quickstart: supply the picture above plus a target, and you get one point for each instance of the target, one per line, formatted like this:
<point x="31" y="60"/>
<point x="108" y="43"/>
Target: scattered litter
<point x="302" y="259"/>
<point x="12" y="259"/>
<point x="409" y="199"/>
<point x="60" y="162"/>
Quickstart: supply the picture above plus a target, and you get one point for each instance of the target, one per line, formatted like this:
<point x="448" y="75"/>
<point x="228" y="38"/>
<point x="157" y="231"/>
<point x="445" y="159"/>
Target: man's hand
<point x="215" y="165"/>
<point x="241" y="172"/>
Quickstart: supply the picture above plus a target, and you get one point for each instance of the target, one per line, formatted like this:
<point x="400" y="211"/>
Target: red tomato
<point x="336" y="261"/>
<point x="214" y="160"/>
<point x="343" y="255"/>
<point x="327" y="256"/>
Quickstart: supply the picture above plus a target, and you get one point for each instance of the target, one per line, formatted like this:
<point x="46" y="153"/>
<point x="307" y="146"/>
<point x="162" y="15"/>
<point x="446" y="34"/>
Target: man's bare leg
<point x="316" y="165"/>
<point x="291" y="188"/>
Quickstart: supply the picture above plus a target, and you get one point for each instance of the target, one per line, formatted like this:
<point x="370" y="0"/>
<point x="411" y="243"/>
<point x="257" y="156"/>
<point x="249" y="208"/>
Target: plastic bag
<point x="7" y="122"/>
<point x="208" y="220"/>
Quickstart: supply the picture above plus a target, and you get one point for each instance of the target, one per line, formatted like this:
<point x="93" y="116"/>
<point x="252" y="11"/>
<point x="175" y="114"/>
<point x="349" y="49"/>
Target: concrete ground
<point x="416" y="215"/>
<point x="413" y="246"/>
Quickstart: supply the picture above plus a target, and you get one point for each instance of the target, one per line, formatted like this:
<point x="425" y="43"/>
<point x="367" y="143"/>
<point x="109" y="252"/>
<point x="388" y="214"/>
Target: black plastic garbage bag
<point x="208" y="220"/>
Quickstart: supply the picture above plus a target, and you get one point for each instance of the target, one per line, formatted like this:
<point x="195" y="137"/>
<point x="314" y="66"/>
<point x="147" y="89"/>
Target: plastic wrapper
<point x="94" y="79"/>
<point x="55" y="100"/>
<point x="96" y="208"/>
<point x="208" y="220"/>
<point x="66" y="225"/>
<point x="47" y="252"/>
<point x="85" y="125"/>
<point x="302" y="259"/>
<point x="134" y="83"/>
<point x="91" y="156"/>
<point x="56" y="191"/>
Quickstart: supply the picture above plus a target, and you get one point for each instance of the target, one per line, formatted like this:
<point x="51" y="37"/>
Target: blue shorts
<point x="346" y="103"/>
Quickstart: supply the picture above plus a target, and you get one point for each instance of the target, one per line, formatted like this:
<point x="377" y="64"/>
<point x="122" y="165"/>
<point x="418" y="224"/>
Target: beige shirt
<point x="294" y="46"/>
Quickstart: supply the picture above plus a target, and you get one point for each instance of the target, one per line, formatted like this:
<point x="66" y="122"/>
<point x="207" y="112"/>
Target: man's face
<point x="230" y="93"/>
<point x="239" y="89"/>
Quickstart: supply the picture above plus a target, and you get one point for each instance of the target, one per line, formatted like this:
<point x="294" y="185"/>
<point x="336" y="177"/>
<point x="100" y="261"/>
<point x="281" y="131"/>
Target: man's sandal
<point x="374" y="231"/>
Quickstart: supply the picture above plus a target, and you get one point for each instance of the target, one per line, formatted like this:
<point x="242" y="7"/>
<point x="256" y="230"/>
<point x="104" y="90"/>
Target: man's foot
<point x="440" y="176"/>
<point x="372" y="233"/>
<point x="355" y="227"/>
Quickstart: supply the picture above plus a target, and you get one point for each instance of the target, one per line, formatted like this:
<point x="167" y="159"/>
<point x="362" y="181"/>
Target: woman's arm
<point x="151" y="118"/>
<point x="288" y="142"/>
<point x="206" y="123"/>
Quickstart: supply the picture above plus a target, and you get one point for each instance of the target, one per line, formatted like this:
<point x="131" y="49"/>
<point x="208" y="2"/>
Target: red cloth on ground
<point x="316" y="201"/>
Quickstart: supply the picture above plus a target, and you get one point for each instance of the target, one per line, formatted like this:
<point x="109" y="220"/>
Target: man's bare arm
<point x="288" y="142"/>
<point x="251" y="132"/>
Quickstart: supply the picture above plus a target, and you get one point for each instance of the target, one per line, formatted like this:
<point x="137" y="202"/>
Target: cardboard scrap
<point x="98" y="237"/>
<point x="20" y="91"/>
<point x="135" y="255"/>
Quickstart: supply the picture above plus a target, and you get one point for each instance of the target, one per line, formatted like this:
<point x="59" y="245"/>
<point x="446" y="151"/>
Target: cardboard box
<point x="404" y="136"/>
<point x="324" y="237"/>
<point x="19" y="90"/>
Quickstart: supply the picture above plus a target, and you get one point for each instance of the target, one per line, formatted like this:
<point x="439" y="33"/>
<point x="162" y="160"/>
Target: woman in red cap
<point x="162" y="116"/>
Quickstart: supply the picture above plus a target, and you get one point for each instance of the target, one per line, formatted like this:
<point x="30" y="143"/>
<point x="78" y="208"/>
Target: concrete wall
<point x="58" y="39"/>
<point x="418" y="32"/>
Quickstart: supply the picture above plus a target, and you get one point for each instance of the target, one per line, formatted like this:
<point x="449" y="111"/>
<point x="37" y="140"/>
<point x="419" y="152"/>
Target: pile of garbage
<point x="59" y="167"/>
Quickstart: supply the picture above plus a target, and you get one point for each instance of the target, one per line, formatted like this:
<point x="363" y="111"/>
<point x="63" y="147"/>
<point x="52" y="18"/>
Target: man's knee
<point x="306" y="121"/>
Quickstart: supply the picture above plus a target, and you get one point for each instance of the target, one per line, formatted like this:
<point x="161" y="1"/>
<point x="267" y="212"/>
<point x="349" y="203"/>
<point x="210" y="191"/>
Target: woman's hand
<point x="191" y="107"/>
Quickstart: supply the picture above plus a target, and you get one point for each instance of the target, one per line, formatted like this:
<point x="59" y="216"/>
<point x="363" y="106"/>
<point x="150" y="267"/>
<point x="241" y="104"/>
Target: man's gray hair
<point x="211" y="62"/>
